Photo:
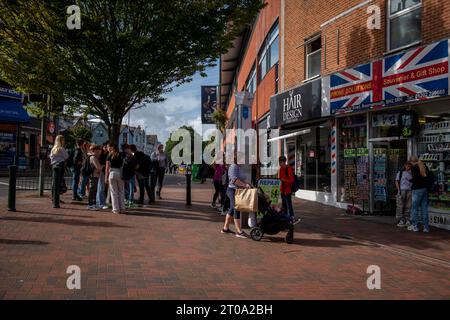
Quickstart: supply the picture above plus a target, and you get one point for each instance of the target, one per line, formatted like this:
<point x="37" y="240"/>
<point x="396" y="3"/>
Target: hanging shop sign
<point x="8" y="92"/>
<point x="299" y="104"/>
<point x="417" y="74"/>
<point x="209" y="103"/>
<point x="408" y="123"/>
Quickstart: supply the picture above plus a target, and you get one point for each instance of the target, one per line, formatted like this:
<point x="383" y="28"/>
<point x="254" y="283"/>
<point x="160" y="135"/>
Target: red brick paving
<point x="170" y="251"/>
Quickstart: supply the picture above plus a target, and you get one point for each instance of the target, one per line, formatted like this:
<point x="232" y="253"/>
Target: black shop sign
<point x="299" y="104"/>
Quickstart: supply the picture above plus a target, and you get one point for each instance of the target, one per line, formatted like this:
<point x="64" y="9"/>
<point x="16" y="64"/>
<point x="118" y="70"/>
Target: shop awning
<point x="289" y="135"/>
<point x="13" y="111"/>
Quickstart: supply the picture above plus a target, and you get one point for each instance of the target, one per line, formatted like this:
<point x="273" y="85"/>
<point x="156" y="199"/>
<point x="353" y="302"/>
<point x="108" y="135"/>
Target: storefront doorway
<point x="388" y="155"/>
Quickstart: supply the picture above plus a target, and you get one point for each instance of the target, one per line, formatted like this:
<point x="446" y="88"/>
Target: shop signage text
<point x="9" y="93"/>
<point x="296" y="105"/>
<point x="417" y="74"/>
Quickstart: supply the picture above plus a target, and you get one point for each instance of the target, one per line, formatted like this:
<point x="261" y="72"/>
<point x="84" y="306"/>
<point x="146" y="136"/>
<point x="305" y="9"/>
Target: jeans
<point x="83" y="185"/>
<point x="219" y="191"/>
<point x="145" y="186"/>
<point x="93" y="182"/>
<point x="161" y="172"/>
<point x="132" y="185"/>
<point x="287" y="205"/>
<point x="403" y="205"/>
<point x="153" y="179"/>
<point x="420" y="200"/>
<point x="233" y="212"/>
<point x="101" y="201"/>
<point x="75" y="181"/>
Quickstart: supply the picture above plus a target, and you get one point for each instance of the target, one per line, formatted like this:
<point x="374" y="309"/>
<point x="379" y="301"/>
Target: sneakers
<point x="413" y="228"/>
<point x="77" y="199"/>
<point x="213" y="205"/>
<point x="93" y="208"/>
<point x="241" y="235"/>
<point x="105" y="208"/>
<point x="401" y="224"/>
<point x="426" y="230"/>
<point x="226" y="231"/>
<point x="296" y="221"/>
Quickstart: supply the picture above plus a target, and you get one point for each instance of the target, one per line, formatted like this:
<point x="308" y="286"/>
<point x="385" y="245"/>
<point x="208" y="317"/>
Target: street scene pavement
<point x="173" y="251"/>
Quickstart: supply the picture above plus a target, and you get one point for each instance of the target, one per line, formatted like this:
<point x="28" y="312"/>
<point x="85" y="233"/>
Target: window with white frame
<point x="404" y="23"/>
<point x="269" y="52"/>
<point x="313" y="57"/>
<point x="251" y="81"/>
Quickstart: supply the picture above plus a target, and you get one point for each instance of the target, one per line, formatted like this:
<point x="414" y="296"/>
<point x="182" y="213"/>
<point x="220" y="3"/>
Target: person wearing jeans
<point x="218" y="185"/>
<point x="237" y="180"/>
<point x="419" y="195"/>
<point x="162" y="159"/>
<point x="286" y="175"/>
<point x="404" y="195"/>
<point x="101" y="187"/>
<point x="76" y="170"/>
<point x="94" y="155"/>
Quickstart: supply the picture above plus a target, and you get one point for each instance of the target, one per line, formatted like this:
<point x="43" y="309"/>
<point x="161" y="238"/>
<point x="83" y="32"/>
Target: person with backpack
<point x="93" y="169"/>
<point x="420" y="183"/>
<point x="286" y="175"/>
<point x="113" y="177"/>
<point x="404" y="195"/>
<point x="76" y="159"/>
<point x="142" y="175"/>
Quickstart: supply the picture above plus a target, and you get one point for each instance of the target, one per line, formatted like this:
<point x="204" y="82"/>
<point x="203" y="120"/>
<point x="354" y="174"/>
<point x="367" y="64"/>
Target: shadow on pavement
<point x="54" y="214"/>
<point x="69" y="222"/>
<point x="313" y="242"/>
<point x="33" y="242"/>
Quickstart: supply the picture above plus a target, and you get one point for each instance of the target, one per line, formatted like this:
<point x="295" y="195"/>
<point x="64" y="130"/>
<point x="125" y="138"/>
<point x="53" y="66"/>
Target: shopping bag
<point x="246" y="200"/>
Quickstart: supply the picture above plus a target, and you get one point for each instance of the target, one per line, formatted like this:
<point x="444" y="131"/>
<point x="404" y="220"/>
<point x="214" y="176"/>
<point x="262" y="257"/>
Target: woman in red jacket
<point x="286" y="175"/>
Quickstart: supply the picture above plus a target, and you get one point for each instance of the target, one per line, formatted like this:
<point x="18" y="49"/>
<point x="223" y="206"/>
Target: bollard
<point x="12" y="188"/>
<point x="57" y="171"/>
<point x="188" y="186"/>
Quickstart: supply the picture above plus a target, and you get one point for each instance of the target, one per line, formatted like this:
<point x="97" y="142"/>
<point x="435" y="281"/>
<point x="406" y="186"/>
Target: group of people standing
<point x="110" y="175"/>
<point x="413" y="184"/>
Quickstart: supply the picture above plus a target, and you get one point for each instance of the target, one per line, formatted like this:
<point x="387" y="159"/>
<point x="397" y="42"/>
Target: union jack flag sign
<point x="418" y="74"/>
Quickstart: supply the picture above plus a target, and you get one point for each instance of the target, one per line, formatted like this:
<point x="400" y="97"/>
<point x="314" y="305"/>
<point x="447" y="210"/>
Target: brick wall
<point x="347" y="41"/>
<point x="266" y="19"/>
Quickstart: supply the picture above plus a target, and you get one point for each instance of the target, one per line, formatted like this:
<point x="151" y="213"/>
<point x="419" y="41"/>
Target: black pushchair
<point x="272" y="222"/>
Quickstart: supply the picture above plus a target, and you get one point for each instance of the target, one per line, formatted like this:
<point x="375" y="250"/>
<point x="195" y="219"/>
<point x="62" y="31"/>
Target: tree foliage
<point x="127" y="53"/>
<point x="219" y="117"/>
<point x="71" y="135"/>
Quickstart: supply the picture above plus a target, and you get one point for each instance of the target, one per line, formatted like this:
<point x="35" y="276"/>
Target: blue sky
<point x="181" y="107"/>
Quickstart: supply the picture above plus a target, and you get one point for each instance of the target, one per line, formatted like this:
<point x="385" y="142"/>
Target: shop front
<point x="12" y="116"/>
<point x="387" y="111"/>
<point x="305" y="135"/>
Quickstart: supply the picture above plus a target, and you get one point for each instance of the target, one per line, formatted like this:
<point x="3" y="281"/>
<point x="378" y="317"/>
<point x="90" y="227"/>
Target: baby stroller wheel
<point x="256" y="234"/>
<point x="290" y="237"/>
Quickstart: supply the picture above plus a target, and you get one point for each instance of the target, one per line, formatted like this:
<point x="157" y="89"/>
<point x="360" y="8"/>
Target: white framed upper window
<point x="251" y="81"/>
<point x="269" y="52"/>
<point x="404" y="25"/>
<point x="313" y="57"/>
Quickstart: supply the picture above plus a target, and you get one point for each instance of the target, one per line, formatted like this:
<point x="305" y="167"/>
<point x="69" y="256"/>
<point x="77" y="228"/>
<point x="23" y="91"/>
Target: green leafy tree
<point x="75" y="133"/>
<point x="219" y="117"/>
<point x="126" y="54"/>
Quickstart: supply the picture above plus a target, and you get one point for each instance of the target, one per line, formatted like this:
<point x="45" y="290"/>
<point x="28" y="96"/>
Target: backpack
<point x="296" y="185"/>
<point x="87" y="169"/>
<point x="70" y="161"/>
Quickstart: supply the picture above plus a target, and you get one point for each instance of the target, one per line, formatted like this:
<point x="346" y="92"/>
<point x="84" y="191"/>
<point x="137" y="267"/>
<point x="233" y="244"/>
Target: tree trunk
<point x="114" y="131"/>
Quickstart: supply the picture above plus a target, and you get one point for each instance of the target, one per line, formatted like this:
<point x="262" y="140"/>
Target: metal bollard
<point x="57" y="171"/>
<point x="188" y="187"/>
<point x="12" y="188"/>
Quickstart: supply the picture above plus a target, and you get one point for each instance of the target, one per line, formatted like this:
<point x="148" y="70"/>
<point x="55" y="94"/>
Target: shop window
<point x="313" y="165"/>
<point x="433" y="148"/>
<point x="385" y="125"/>
<point x="404" y="23"/>
<point x="269" y="52"/>
<point x="313" y="58"/>
<point x="353" y="160"/>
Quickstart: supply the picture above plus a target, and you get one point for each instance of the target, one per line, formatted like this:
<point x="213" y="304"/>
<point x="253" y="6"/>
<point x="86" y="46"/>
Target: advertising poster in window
<point x="7" y="149"/>
<point x="209" y="103"/>
<point x="271" y="188"/>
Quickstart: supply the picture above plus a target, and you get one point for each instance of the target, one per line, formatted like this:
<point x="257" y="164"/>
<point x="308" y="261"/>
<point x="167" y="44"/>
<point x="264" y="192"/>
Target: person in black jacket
<point x="142" y="174"/>
<point x="129" y="173"/>
<point x="76" y="170"/>
<point x="420" y="182"/>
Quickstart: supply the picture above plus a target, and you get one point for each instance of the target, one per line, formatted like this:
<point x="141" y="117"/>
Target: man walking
<point x="76" y="170"/>
<point x="162" y="159"/>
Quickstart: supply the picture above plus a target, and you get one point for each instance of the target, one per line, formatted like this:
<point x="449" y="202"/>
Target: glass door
<point x="387" y="158"/>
